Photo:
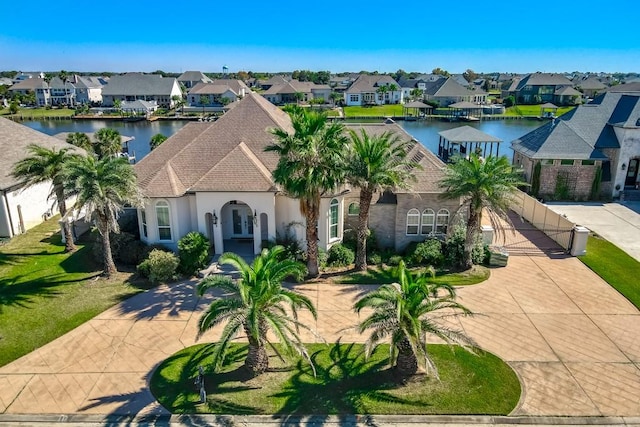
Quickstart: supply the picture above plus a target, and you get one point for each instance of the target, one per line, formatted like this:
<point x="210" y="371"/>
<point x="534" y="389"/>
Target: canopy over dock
<point x="416" y="109"/>
<point x="465" y="139"/>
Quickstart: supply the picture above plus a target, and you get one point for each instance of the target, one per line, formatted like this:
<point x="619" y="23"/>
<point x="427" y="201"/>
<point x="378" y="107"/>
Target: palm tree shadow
<point x="341" y="387"/>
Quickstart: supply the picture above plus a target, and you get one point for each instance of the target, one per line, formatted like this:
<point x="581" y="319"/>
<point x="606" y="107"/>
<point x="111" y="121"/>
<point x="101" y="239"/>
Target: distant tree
<point x="117" y="105"/>
<point x="178" y="102"/>
<point x="416" y="93"/>
<point x="225" y="100"/>
<point x="322" y="78"/>
<point x="108" y="143"/>
<point x="335" y="97"/>
<point x="299" y="97"/>
<point x="392" y="88"/>
<point x="14" y="107"/>
<point x="204" y="100"/>
<point x="382" y="90"/>
<point x="399" y="74"/>
<point x="64" y="76"/>
<point x="242" y="75"/>
<point x="156" y="140"/>
<point x="439" y="71"/>
<point x="470" y="75"/>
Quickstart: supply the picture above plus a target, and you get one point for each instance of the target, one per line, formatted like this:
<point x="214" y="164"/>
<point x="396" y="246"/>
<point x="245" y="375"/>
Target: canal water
<point x="424" y="131"/>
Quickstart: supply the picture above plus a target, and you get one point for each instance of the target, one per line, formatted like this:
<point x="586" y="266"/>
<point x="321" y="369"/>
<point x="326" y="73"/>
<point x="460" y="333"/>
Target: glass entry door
<point x="242" y="220"/>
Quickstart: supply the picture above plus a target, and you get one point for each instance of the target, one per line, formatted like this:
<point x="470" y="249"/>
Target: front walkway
<point x="573" y="341"/>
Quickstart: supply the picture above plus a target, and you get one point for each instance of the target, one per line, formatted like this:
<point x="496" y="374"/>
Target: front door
<point x="632" y="173"/>
<point x="242" y="220"/>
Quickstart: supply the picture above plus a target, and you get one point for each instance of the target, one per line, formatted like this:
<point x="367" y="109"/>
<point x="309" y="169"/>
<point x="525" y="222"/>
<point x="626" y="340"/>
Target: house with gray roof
<point x="590" y="86"/>
<point x="191" y="78"/>
<point x="88" y="89"/>
<point x="22" y="208"/>
<point x="538" y="88"/>
<point x="448" y="91"/>
<point x="147" y="87"/>
<point x="26" y="86"/>
<point x="294" y="91"/>
<point x="211" y="94"/>
<point x="374" y="90"/>
<point x="592" y="151"/>
<point x="216" y="178"/>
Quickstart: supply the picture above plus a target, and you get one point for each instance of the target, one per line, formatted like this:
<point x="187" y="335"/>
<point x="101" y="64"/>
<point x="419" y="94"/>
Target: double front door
<point x="632" y="173"/>
<point x="242" y="221"/>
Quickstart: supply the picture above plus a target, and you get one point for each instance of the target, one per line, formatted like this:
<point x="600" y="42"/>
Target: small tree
<point x="193" y="250"/>
<point x="14" y="107"/>
<point x="204" y="100"/>
<point x="156" y="140"/>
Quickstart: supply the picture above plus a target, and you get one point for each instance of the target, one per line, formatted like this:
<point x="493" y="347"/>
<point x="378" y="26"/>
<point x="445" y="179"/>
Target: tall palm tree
<point x="80" y="139"/>
<point x="47" y="164"/>
<point x="404" y="313"/>
<point x="382" y="90"/>
<point x="102" y="187"/>
<point x="311" y="164"/>
<point x="481" y="184"/>
<point x="375" y="163"/>
<point x="257" y="303"/>
<point x="392" y="87"/>
<point x="117" y="105"/>
<point x="108" y="143"/>
<point x="64" y="76"/>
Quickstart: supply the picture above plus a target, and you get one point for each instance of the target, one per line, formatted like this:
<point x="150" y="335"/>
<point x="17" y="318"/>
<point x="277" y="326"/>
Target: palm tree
<point x="64" y="76"/>
<point x="108" y="143"/>
<point x="392" y="87"/>
<point x="311" y="164"/>
<point x="102" y="187"/>
<point x="204" y="100"/>
<point x="382" y="90"/>
<point x="481" y="184"/>
<point x="117" y="105"/>
<point x="257" y="303"/>
<point x="80" y="139"/>
<point x="43" y="165"/>
<point x="178" y="102"/>
<point x="374" y="164"/>
<point x="156" y="140"/>
<point x="404" y="313"/>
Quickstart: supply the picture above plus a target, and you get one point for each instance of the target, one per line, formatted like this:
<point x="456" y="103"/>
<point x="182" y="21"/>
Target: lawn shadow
<point x="340" y="387"/>
<point x="80" y="261"/>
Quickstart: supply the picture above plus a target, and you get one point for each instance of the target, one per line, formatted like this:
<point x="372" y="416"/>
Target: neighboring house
<point x="21" y="76"/>
<point x="5" y="81"/>
<point x="214" y="91"/>
<point x="27" y="86"/>
<point x="419" y="82"/>
<point x="274" y="80"/>
<point x="89" y="89"/>
<point x="538" y="88"/>
<point x="589" y="86"/>
<point x="22" y="208"/>
<point x="366" y="90"/>
<point x="216" y="178"/>
<point x="448" y="91"/>
<point x="191" y="78"/>
<point x="57" y="93"/>
<point x="601" y="135"/>
<point x="147" y="87"/>
<point x="295" y="91"/>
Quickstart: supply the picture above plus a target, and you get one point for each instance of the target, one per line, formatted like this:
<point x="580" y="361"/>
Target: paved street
<point x="573" y="341"/>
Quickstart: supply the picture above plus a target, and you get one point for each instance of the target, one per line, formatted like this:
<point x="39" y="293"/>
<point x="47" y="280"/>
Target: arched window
<point x="164" y="220"/>
<point x="333" y="219"/>
<point x="442" y="220"/>
<point x="413" y="221"/>
<point x="427" y="221"/>
<point x="354" y="208"/>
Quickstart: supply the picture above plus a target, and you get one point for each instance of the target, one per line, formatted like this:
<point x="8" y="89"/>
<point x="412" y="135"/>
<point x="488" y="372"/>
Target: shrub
<point x="323" y="258"/>
<point x="292" y="246"/>
<point x="123" y="248"/>
<point x="193" y="250"/>
<point x="428" y="252"/>
<point x="509" y="101"/>
<point x="160" y="266"/>
<point x="454" y="247"/>
<point x="132" y="252"/>
<point x="374" y="259"/>
<point x="394" y="260"/>
<point x="340" y="255"/>
<point x="350" y="240"/>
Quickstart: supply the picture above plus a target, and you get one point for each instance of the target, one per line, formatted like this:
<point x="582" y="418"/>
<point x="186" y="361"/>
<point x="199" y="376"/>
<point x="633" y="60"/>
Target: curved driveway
<point x="573" y="341"/>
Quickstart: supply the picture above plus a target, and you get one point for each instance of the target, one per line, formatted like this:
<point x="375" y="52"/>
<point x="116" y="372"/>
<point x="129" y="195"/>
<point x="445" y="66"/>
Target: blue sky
<point x="338" y="36"/>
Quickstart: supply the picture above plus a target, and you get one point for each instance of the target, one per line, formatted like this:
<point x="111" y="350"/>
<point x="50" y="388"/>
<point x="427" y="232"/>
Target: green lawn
<point x="45" y="292"/>
<point x="40" y="112"/>
<point x="532" y="110"/>
<point x="345" y="384"/>
<point x="377" y="110"/>
<point x="376" y="276"/>
<point x="615" y="266"/>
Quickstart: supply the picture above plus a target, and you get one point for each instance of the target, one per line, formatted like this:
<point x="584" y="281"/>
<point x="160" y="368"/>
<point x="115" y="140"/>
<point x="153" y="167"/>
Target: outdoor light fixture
<point x="215" y="218"/>
<point x="624" y="166"/>
<point x="255" y="217"/>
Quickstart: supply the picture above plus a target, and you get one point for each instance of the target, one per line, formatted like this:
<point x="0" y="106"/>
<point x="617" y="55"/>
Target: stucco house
<point x="22" y="208"/>
<point x="216" y="178"/>
<point x="598" y="138"/>
<point x="448" y="91"/>
<point x="146" y="87"/>
<point x="366" y="90"/>
<point x="191" y="78"/>
<point x="213" y="92"/>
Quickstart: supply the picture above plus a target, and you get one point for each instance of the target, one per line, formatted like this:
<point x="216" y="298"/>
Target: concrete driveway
<point x="573" y="341"/>
<point x="619" y="223"/>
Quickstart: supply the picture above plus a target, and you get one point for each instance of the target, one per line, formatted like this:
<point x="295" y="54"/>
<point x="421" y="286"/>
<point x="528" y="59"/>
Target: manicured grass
<point x="40" y="112"/>
<point x="377" y="110"/>
<point x="377" y="275"/>
<point x="532" y="110"/>
<point x="45" y="292"/>
<point x="345" y="384"/>
<point x="615" y="266"/>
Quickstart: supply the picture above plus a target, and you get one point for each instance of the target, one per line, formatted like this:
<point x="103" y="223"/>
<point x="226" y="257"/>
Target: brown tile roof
<point x="226" y="155"/>
<point x="14" y="139"/>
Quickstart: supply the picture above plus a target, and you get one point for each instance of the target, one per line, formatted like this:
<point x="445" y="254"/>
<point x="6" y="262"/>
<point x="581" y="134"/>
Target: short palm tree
<point x="43" y="165"/>
<point x="481" y="183"/>
<point x="108" y="143"/>
<point x="156" y="140"/>
<point x="404" y="313"/>
<point x="375" y="163"/>
<point x="257" y="303"/>
<point x="102" y="187"/>
<point x="80" y="139"/>
<point x="311" y="165"/>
